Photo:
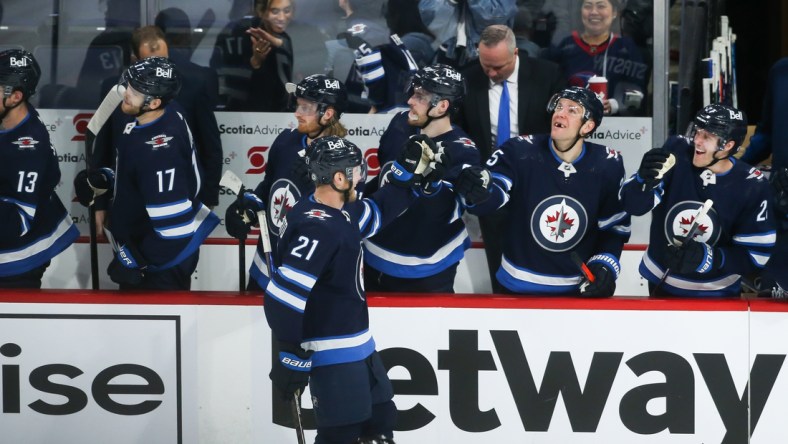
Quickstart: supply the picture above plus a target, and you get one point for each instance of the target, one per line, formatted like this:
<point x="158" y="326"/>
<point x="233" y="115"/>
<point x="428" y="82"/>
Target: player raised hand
<point x="655" y="164"/>
<point x="473" y="184"/>
<point x="241" y="215"/>
<point x="437" y="168"/>
<point x="414" y="160"/>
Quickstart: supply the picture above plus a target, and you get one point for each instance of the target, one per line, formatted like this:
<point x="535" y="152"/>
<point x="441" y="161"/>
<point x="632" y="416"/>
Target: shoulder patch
<point x="25" y="142"/>
<point x="611" y="153"/>
<point x="755" y="173"/>
<point x="526" y="138"/>
<point x="317" y="214"/>
<point x="162" y="140"/>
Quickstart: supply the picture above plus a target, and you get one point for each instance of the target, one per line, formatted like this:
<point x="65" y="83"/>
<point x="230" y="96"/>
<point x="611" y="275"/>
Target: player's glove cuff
<point x="609" y="261"/>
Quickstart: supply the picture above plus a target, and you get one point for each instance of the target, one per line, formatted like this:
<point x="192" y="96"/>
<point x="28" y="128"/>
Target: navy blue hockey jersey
<point x="36" y="226"/>
<point x="382" y="74"/>
<point x="555" y="208"/>
<point x="279" y="190"/>
<point x="740" y="222"/>
<point x="316" y="297"/>
<point x="430" y="236"/>
<point x="155" y="205"/>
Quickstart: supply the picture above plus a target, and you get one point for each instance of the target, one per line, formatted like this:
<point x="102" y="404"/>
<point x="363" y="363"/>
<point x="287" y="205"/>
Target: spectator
<point x="420" y="250"/>
<point x="522" y="32"/>
<point x="320" y="101"/>
<point x="770" y="140"/>
<point x="690" y="254"/>
<point x="230" y="59"/>
<point x="563" y="197"/>
<point x="36" y="226"/>
<point x="403" y="19"/>
<point x="272" y="56"/>
<point x="157" y="221"/>
<point x="198" y="97"/>
<point x="530" y="84"/>
<point x="597" y="51"/>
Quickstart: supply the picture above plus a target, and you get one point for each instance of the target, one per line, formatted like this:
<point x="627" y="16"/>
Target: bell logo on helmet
<point x="167" y="73"/>
<point x="332" y="84"/>
<point x="736" y="115"/>
<point x="335" y="144"/>
<point x="453" y="74"/>
<point x="20" y="63"/>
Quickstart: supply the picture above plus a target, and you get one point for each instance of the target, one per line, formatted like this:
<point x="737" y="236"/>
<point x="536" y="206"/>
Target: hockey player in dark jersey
<point x="315" y="303"/>
<point x="436" y="233"/>
<point x="35" y="224"/>
<point x="156" y="223"/>
<point x="320" y="101"/>
<point x="562" y="194"/>
<point x="733" y="239"/>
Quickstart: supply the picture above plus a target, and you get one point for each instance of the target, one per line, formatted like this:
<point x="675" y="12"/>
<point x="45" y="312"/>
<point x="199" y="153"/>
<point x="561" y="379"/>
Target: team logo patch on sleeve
<point x="558" y="223"/>
<point x="317" y="214"/>
<point x="162" y="140"/>
<point x="680" y="218"/>
<point x="26" y="142"/>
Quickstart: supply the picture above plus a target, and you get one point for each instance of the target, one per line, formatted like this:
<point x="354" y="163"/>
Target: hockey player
<point x="315" y="302"/>
<point x="734" y="238"/>
<point x="156" y="222"/>
<point x="320" y="101"/>
<point x="35" y="224"/>
<point x="563" y="198"/>
<point x="436" y="234"/>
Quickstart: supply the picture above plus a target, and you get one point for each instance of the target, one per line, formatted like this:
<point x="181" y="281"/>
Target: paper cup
<point x="598" y="85"/>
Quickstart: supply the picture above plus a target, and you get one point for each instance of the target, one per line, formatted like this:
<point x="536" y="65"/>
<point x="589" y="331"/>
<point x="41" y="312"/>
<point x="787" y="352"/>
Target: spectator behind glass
<point x="230" y="59"/>
<point x="522" y="32"/>
<point x="272" y="56"/>
<point x="402" y="18"/>
<point x="597" y="51"/>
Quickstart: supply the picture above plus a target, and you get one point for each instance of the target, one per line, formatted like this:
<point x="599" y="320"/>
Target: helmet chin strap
<point x="577" y="137"/>
<point x="717" y="159"/>
<point x="6" y="108"/>
<point x="431" y="118"/>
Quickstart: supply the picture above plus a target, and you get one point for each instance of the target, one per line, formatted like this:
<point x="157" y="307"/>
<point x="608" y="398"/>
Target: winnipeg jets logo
<point x="317" y="214"/>
<point x="558" y="223"/>
<point x="527" y="138"/>
<point x="611" y="154"/>
<point x="681" y="217"/>
<point x="25" y="142"/>
<point x="159" y="141"/>
<point x="284" y="194"/>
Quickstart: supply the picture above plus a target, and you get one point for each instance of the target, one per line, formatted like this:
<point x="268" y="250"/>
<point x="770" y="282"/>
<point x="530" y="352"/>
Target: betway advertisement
<point x="247" y="137"/>
<point x="465" y="371"/>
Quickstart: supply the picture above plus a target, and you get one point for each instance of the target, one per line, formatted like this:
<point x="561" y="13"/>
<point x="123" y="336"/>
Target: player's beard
<point x="309" y="127"/>
<point x="129" y="109"/>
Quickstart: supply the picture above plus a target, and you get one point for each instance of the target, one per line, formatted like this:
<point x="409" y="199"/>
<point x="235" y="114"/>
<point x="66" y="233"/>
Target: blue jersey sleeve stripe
<point x="297" y="277"/>
<point x="169" y="210"/>
<point x="288" y="299"/>
<point x="370" y="59"/>
<point x="759" y="258"/>
<point x="604" y="224"/>
<point x="177" y="231"/>
<point x="28" y="209"/>
<point x="507" y="183"/>
<point x="374" y="75"/>
<point x="756" y="240"/>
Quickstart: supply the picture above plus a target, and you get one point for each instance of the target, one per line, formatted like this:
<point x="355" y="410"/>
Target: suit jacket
<point x="537" y="81"/>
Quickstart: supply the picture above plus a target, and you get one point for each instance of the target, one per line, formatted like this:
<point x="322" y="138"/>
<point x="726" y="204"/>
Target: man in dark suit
<point x="527" y="84"/>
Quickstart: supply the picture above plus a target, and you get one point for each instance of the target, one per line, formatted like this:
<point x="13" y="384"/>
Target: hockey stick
<point x="296" y="412"/>
<point x="582" y="266"/>
<point x="702" y="211"/>
<point x="230" y="181"/>
<point x="100" y="117"/>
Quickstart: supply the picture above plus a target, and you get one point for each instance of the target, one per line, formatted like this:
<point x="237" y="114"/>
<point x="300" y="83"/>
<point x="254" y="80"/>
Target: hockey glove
<point x="241" y="215"/>
<point x="300" y="174"/>
<point x="605" y="269"/>
<point x="127" y="267"/>
<point x="655" y="164"/>
<point x="473" y="184"/>
<point x="779" y="182"/>
<point x="291" y="374"/>
<point x="407" y="171"/>
<point x="690" y="256"/>
<point x="88" y="185"/>
<point x="437" y="170"/>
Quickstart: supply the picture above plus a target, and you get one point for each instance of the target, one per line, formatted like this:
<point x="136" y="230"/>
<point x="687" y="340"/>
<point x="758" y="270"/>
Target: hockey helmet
<point x="723" y="121"/>
<point x="18" y="71"/>
<point x="156" y="77"/>
<point x="323" y="90"/>
<point x="443" y="81"/>
<point x="592" y="106"/>
<point x="330" y="154"/>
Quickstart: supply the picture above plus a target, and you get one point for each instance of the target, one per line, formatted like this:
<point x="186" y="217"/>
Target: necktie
<point x="503" y="116"/>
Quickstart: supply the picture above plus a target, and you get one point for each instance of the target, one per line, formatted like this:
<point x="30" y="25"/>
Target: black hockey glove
<point x="473" y="184"/>
<point x="655" y="164"/>
<point x="407" y="171"/>
<point x="291" y="374"/>
<point x="88" y="185"/>
<point x="438" y="169"/>
<point x="690" y="256"/>
<point x="127" y="267"/>
<point x="605" y="269"/>
<point x="241" y="215"/>
<point x="377" y="439"/>
<point x="779" y="182"/>
<point x="300" y="174"/>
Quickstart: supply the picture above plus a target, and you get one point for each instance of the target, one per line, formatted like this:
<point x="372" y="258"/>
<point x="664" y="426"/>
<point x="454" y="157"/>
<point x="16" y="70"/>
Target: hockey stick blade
<point x="265" y="236"/>
<point x="104" y="111"/>
<point x="230" y="181"/>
